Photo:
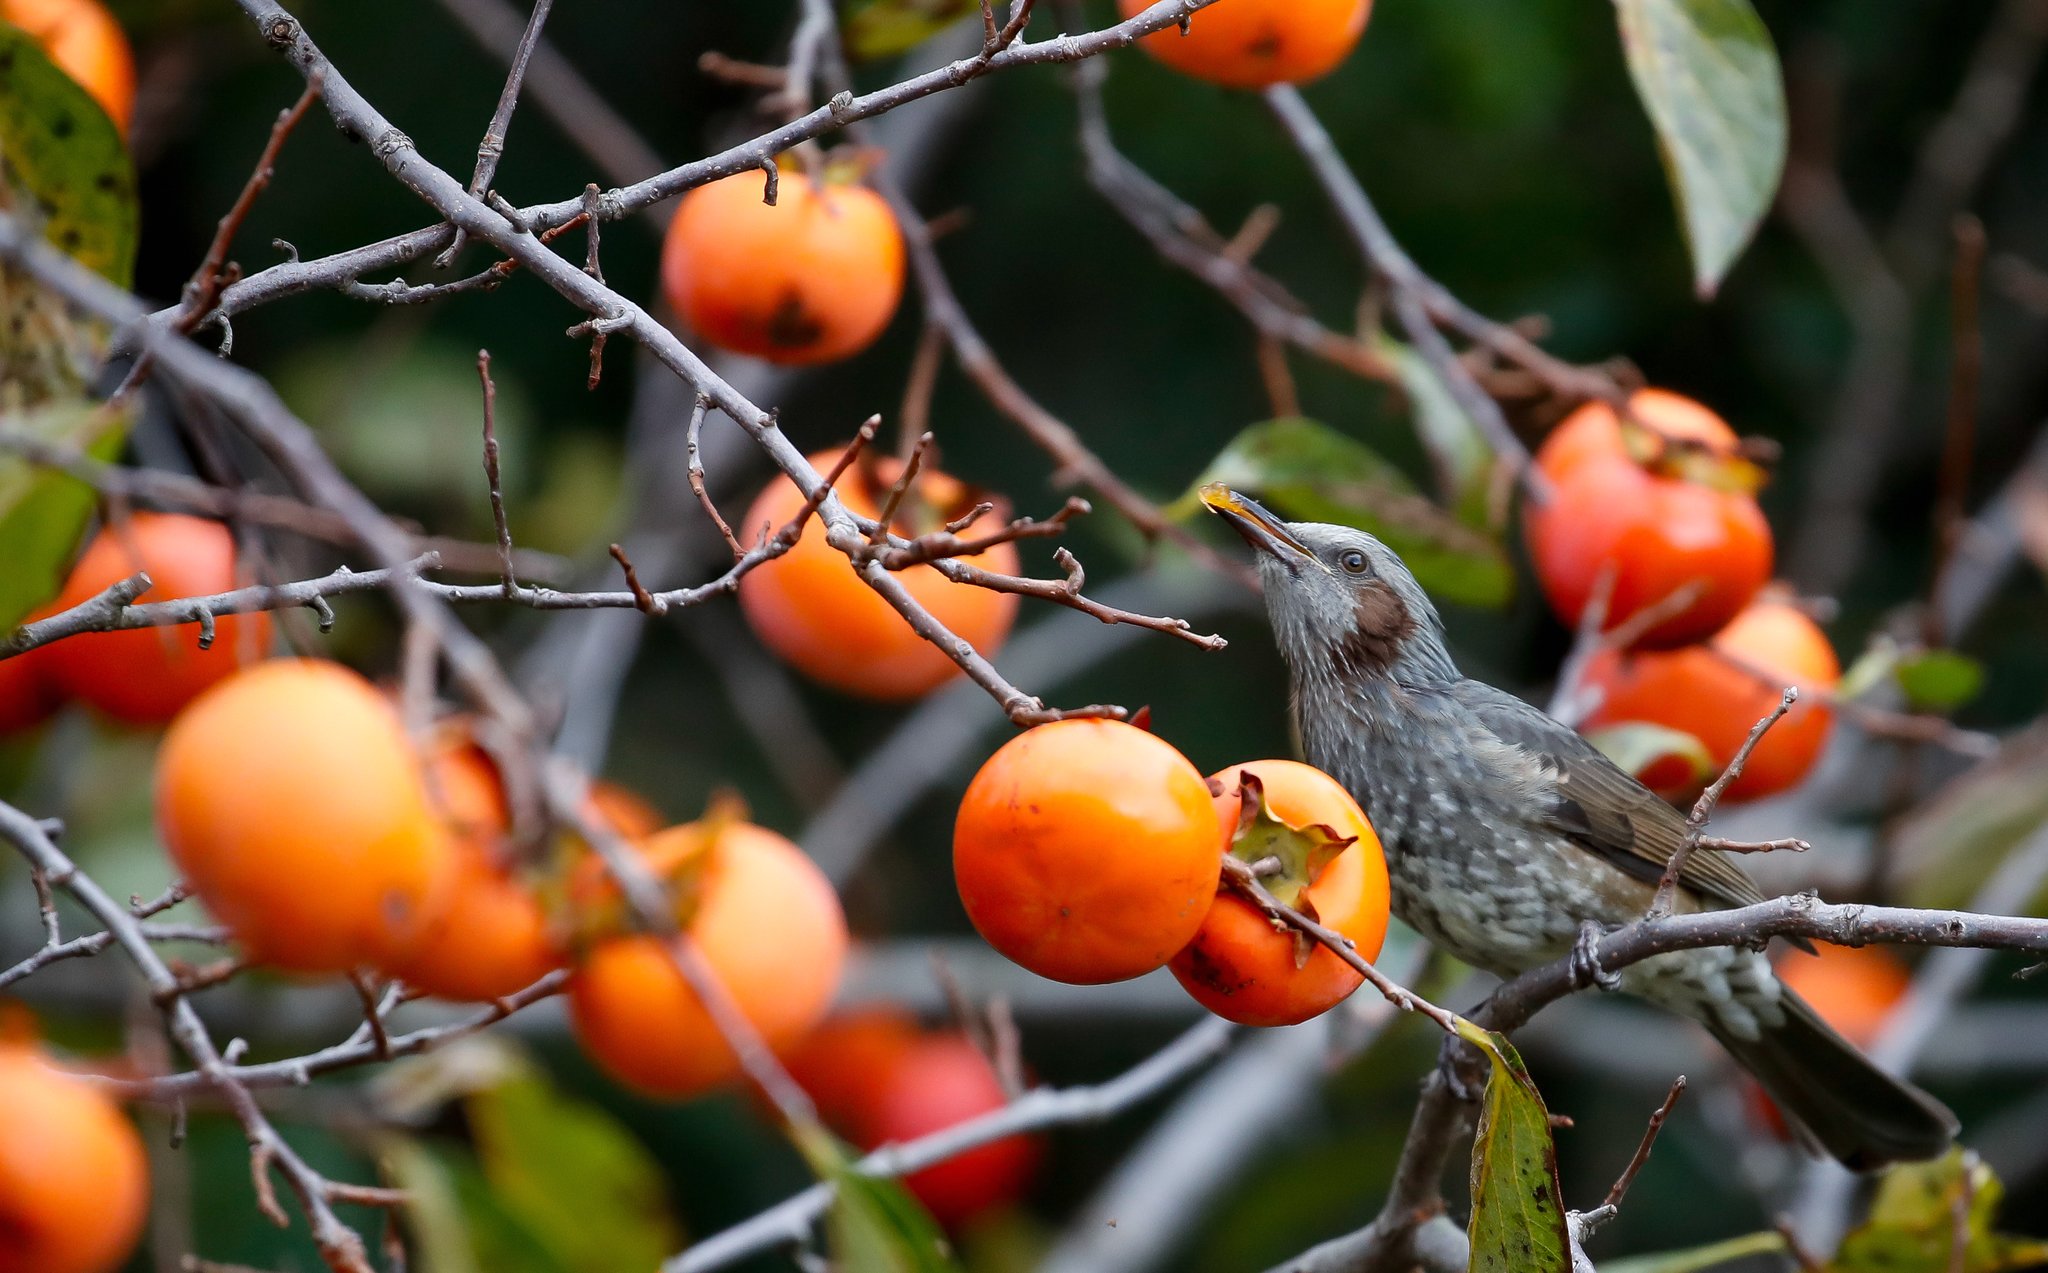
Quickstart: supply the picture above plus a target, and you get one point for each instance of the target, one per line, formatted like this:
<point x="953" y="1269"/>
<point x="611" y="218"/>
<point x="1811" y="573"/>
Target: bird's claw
<point x="1586" y="969"/>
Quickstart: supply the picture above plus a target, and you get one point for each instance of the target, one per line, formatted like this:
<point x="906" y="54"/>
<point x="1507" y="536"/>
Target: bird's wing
<point x="1596" y="804"/>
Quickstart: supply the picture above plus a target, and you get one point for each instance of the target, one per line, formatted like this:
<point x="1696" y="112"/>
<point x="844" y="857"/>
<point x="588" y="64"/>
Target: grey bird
<point x="1506" y="831"/>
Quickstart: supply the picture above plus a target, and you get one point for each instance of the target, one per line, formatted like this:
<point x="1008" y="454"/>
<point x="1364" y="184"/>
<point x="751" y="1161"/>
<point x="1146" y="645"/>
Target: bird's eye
<point x="1353" y="561"/>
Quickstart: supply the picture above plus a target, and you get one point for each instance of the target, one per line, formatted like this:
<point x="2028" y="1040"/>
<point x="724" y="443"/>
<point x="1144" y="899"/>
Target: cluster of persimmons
<point x="1651" y="511"/>
<point x="1089" y="851"/>
<point x="330" y="839"/>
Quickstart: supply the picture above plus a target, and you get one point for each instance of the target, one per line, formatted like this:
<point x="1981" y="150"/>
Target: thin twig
<point x="492" y="147"/>
<point x="1703" y="808"/>
<point x="1407" y="285"/>
<point x="483" y="371"/>
<point x="373" y="1014"/>
<point x="692" y="443"/>
<point x="1649" y="1142"/>
<point x="1240" y="876"/>
<point x="643" y="601"/>
<point x="203" y="289"/>
<point x="1959" y="444"/>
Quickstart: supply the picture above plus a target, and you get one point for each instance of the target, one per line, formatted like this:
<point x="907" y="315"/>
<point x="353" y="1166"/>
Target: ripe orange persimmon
<point x="1854" y="988"/>
<point x="1087" y="851"/>
<point x="1239" y="966"/>
<point x="1710" y="692"/>
<point x="290" y="799"/>
<point x="85" y="42"/>
<point x="811" y="609"/>
<point x="934" y="1083"/>
<point x="840" y="1063"/>
<point x="74" y="1180"/>
<point x="767" y="924"/>
<point x="144" y="675"/>
<point x="1664" y="516"/>
<point x="813" y="278"/>
<point x="876" y="1077"/>
<point x="1254" y="43"/>
<point x="490" y="936"/>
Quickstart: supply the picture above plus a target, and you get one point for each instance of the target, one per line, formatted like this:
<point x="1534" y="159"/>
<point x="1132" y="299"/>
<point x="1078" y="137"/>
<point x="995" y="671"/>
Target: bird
<point x="1507" y="833"/>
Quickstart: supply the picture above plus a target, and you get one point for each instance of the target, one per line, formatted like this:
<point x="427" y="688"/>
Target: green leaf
<point x="1518" y="1221"/>
<point x="1446" y="429"/>
<point x="1912" y="1222"/>
<point x="1878" y="663"/>
<point x="1636" y="745"/>
<point x="874" y="1225"/>
<point x="1767" y="1242"/>
<point x="64" y="158"/>
<point x="42" y="511"/>
<point x="1308" y="471"/>
<point x="456" y="1223"/>
<point x="589" y="1193"/>
<point x="1940" y="680"/>
<point x="1709" y="79"/>
<point x="1950" y="845"/>
<point x="884" y="28"/>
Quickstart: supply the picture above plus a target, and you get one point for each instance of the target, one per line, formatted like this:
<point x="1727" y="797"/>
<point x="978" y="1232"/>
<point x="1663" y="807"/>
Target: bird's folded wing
<point x="1596" y="804"/>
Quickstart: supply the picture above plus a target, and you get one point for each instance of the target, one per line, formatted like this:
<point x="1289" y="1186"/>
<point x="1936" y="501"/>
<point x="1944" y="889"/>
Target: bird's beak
<point x="1260" y="528"/>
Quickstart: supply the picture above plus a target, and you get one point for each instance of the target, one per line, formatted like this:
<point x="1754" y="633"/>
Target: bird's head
<point x="1341" y="602"/>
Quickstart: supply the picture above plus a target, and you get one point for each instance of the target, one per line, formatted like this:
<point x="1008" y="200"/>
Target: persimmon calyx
<point x="1690" y="460"/>
<point x="1287" y="858"/>
<point x="590" y="915"/>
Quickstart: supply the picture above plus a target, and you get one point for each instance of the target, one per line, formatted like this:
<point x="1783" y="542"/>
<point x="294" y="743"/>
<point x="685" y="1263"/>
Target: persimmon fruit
<point x="768" y="926"/>
<point x="1717" y="692"/>
<point x="1256" y="43"/>
<point x="876" y="1077"/>
<point x="1087" y="851"/>
<point x="87" y="44"/>
<point x="936" y="1082"/>
<point x="490" y="936"/>
<point x="1853" y="988"/>
<point x="839" y="1064"/>
<point x="810" y="607"/>
<point x="1239" y="965"/>
<point x="74" y="1179"/>
<point x="290" y="799"/>
<point x="813" y="278"/>
<point x="145" y="675"/>
<point x="28" y="697"/>
<point x="1663" y="500"/>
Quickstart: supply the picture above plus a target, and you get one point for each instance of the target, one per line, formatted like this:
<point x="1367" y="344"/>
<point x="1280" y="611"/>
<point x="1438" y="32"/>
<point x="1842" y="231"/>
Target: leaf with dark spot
<point x="61" y="153"/>
<point x="1518" y="1223"/>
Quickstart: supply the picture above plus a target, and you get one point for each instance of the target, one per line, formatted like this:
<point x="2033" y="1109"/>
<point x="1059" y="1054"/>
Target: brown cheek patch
<point x="1380" y="625"/>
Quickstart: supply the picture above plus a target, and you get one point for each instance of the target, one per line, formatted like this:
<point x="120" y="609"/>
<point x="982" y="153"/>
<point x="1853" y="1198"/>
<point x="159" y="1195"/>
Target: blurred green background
<point x="1505" y="147"/>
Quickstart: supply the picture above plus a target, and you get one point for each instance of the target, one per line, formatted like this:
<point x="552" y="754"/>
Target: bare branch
<point x="1038" y="1108"/>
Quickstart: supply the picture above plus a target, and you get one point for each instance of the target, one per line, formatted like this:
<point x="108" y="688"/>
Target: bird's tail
<point x="1859" y="1114"/>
